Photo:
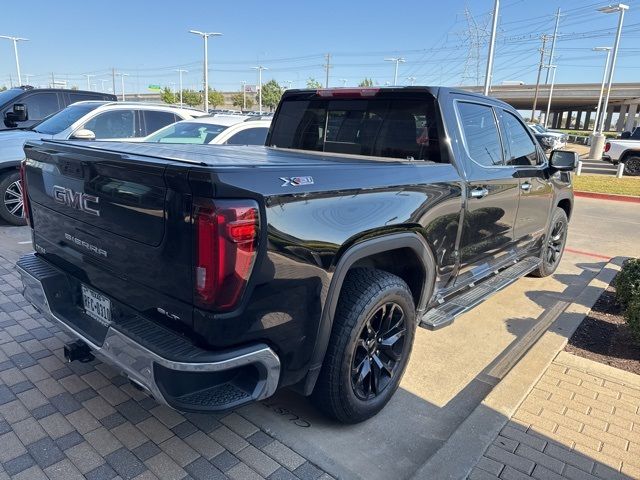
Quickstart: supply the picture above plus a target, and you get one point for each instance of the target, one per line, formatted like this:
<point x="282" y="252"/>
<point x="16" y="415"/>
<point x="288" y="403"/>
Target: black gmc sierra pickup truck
<point x="212" y="276"/>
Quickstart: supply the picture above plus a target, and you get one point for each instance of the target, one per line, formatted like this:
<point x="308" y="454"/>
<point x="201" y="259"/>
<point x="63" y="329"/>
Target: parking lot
<point x="84" y="419"/>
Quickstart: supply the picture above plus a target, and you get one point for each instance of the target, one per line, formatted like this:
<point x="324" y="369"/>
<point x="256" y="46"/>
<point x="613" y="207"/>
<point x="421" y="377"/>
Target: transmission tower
<point x="475" y="37"/>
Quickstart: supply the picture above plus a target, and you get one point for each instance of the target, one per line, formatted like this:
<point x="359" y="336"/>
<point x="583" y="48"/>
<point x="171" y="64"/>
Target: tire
<point x="554" y="243"/>
<point x="11" y="208"/>
<point x="373" y="305"/>
<point x="632" y="166"/>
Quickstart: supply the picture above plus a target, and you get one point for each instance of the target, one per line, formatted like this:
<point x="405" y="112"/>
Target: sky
<point x="443" y="43"/>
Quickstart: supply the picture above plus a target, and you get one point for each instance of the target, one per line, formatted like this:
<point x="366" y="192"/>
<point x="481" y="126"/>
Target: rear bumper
<point x="173" y="370"/>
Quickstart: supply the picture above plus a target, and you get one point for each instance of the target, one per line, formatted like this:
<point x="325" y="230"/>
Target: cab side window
<point x="40" y="105"/>
<point x="521" y="150"/>
<point x="480" y="132"/>
<point x="250" y="136"/>
<point x="113" y="124"/>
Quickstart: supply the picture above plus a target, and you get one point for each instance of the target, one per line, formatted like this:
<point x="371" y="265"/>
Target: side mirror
<point x="625" y="135"/>
<point x="18" y="114"/>
<point x="83" y="134"/>
<point x="563" y="160"/>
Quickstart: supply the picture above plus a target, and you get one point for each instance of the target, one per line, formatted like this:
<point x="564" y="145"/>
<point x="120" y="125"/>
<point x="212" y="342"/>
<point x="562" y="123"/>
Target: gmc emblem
<point x="78" y="200"/>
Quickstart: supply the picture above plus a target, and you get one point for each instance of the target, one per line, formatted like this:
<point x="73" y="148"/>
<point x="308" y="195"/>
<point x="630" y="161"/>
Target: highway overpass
<point x="573" y="105"/>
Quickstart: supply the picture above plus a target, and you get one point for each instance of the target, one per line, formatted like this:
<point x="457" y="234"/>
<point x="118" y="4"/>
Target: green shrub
<point x="628" y="283"/>
<point x="632" y="316"/>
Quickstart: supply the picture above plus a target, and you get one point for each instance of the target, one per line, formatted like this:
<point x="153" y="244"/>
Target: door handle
<point x="479" y="192"/>
<point x="526" y="186"/>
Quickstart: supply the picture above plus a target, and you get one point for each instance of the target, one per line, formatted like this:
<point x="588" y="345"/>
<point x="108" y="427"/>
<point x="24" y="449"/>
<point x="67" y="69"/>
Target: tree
<point x="191" y="98"/>
<point x="367" y="82"/>
<point x="271" y="93"/>
<point x="313" y="83"/>
<point x="3" y="88"/>
<point x="238" y="101"/>
<point x="215" y="98"/>
<point x="167" y="96"/>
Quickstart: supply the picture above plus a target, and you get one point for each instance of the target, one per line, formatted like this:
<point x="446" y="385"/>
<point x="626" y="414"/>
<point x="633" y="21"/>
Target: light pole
<point x="597" y="142"/>
<point x="412" y="80"/>
<point x="205" y="36"/>
<point x="553" y="81"/>
<point x="26" y="77"/>
<point x="492" y="45"/>
<point x="122" y="75"/>
<point x="180" y="72"/>
<point x="344" y="82"/>
<point x="15" y="41"/>
<point x="244" y="94"/>
<point x="88" y="80"/>
<point x="604" y="79"/>
<point x="260" y="68"/>
<point x="396" y="60"/>
<point x="102" y="82"/>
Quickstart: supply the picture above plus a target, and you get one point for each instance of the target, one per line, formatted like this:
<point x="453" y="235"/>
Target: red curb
<point x="608" y="196"/>
<point x="588" y="254"/>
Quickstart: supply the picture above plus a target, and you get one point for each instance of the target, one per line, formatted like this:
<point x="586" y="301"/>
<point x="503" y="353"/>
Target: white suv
<point x="90" y="120"/>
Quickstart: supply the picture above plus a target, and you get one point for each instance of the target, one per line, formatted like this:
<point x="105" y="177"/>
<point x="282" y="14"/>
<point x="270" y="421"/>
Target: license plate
<point x="97" y="306"/>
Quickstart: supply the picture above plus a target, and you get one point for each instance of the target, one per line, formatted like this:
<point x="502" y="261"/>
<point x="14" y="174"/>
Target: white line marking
<point x="24" y="243"/>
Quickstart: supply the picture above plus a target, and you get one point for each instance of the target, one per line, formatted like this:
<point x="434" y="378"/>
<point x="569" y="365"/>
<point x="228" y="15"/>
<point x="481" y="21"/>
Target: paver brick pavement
<point x="575" y="425"/>
<point x="84" y="420"/>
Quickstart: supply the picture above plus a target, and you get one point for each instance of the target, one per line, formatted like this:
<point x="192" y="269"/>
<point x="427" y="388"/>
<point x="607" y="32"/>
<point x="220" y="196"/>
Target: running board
<point x="444" y="314"/>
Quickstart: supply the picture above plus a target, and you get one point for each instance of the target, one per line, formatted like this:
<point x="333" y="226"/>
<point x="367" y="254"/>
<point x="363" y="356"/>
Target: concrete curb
<point x="463" y="450"/>
<point x="608" y="196"/>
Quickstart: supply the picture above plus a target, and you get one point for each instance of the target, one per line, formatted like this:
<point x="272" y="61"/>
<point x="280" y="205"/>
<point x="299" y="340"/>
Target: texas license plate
<point x="97" y="306"/>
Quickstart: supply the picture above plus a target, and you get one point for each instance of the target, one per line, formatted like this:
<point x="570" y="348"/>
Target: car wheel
<point x="11" y="207"/>
<point x="554" y="244"/>
<point x="370" y="344"/>
<point x="632" y="166"/>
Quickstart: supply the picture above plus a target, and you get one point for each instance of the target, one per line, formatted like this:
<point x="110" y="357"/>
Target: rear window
<point x="402" y="127"/>
<point x="187" y="132"/>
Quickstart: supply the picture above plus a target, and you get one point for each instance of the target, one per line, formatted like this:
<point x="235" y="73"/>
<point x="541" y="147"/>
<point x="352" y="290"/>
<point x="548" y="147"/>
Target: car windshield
<point x="64" y="119"/>
<point x="187" y="132"/>
<point x="9" y="95"/>
<point x="538" y="129"/>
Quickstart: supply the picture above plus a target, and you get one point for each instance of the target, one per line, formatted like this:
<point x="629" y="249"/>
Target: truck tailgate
<point x="108" y="218"/>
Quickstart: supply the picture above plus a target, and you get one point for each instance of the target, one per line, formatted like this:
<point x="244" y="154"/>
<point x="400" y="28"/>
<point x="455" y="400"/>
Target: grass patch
<point x="607" y="184"/>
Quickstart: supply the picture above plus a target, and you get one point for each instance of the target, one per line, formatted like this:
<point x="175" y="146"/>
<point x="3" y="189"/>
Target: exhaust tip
<point x="77" y="350"/>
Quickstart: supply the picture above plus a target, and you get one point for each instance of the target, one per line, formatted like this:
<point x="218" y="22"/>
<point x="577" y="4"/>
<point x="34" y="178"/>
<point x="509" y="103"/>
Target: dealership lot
<point x="80" y="418"/>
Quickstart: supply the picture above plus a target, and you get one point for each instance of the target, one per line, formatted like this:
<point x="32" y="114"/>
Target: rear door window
<point x="155" y="120"/>
<point x="480" y="132"/>
<point x="402" y="127"/>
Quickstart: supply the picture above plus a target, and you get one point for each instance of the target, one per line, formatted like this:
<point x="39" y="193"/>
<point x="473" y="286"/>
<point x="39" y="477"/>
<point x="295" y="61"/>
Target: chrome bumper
<point x="135" y="360"/>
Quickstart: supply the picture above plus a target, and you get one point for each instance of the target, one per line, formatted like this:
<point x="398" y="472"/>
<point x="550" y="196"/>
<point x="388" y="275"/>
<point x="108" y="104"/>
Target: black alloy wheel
<point x="378" y="350"/>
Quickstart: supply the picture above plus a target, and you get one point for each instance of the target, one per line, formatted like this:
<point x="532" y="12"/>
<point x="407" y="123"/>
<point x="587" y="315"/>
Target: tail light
<point x="25" y="196"/>
<point x="607" y="146"/>
<point x="226" y="237"/>
<point x="347" y="92"/>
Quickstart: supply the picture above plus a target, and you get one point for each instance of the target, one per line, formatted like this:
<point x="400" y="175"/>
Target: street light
<point x="260" y="68"/>
<point x="344" y="82"/>
<point x="553" y="81"/>
<point x="180" y="72"/>
<point x="205" y="36"/>
<point x="244" y="95"/>
<point x="396" y="60"/>
<point x="290" y="82"/>
<point x="412" y="80"/>
<point x="604" y="79"/>
<point x="122" y="75"/>
<point x="492" y="44"/>
<point x="102" y="82"/>
<point x="88" y="80"/>
<point x="597" y="142"/>
<point x="26" y="77"/>
<point x="15" y="41"/>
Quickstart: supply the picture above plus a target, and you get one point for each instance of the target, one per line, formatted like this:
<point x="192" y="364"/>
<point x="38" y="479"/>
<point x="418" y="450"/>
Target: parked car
<point x="548" y="140"/>
<point x="90" y="120"/>
<point x="23" y="107"/>
<point x="214" y="275"/>
<point x="625" y="150"/>
<point x="216" y="130"/>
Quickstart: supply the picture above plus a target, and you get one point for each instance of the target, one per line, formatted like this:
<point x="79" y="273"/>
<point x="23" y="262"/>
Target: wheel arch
<point x="376" y="252"/>
<point x="628" y="153"/>
<point x="567" y="205"/>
